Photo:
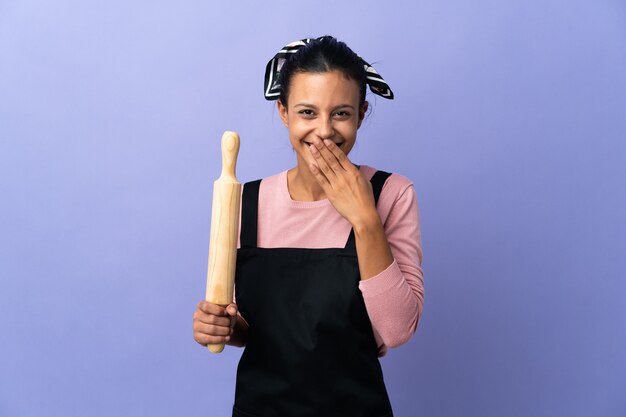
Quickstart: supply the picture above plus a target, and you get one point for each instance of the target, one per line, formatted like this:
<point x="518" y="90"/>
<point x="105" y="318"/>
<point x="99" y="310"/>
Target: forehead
<point x="323" y="88"/>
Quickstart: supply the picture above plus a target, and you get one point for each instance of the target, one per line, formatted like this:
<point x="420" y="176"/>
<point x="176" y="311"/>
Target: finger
<point x="330" y="158"/>
<point x="322" y="164"/>
<point x="211" y="329"/>
<point x="205" y="339"/>
<point x="323" y="153"/>
<point x="202" y="317"/>
<point x="319" y="176"/>
<point x="342" y="158"/>
<point x="232" y="310"/>
<point x="211" y="308"/>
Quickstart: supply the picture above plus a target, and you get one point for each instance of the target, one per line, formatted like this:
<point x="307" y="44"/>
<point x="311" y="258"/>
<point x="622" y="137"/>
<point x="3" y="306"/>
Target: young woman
<point x="329" y="262"/>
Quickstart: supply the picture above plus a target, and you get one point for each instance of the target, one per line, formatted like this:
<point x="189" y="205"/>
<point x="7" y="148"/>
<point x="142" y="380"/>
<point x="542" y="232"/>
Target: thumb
<point x="231" y="309"/>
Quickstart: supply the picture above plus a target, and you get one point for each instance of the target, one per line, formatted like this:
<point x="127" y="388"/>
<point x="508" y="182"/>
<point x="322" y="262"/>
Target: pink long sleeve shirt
<point x="393" y="298"/>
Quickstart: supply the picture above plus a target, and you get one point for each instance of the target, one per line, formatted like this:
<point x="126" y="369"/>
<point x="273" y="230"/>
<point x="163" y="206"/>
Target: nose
<point x="325" y="129"/>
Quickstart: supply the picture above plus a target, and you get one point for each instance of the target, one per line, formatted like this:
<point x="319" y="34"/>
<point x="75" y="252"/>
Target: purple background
<point x="510" y="119"/>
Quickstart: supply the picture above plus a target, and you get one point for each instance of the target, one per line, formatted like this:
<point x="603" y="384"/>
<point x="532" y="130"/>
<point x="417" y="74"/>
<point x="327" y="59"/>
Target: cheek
<point x="298" y="128"/>
<point x="348" y="130"/>
<point x="296" y="133"/>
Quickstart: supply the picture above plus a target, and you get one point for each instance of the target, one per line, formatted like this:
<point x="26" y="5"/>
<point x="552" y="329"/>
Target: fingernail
<point x="328" y="141"/>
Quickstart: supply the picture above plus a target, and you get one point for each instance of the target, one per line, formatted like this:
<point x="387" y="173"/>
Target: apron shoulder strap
<point x="378" y="181"/>
<point x="249" y="214"/>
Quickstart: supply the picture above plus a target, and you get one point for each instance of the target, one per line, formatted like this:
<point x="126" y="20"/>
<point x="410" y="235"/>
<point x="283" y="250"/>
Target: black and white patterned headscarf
<point x="272" y="85"/>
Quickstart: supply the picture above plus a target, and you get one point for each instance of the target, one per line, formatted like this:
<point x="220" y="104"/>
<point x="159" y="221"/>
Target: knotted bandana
<point x="272" y="84"/>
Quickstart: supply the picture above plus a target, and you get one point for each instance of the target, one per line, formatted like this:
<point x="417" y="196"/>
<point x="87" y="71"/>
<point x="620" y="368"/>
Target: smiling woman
<point x="329" y="261"/>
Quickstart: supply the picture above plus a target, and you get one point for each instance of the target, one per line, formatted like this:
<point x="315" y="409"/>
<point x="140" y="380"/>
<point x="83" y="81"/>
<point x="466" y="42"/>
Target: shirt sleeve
<point x="394" y="298"/>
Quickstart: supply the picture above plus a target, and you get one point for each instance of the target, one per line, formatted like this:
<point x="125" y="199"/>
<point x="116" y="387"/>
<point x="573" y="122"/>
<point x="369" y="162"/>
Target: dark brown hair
<point x="324" y="54"/>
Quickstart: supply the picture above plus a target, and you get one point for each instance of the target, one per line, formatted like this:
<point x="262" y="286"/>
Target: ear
<point x="362" y="112"/>
<point x="282" y="112"/>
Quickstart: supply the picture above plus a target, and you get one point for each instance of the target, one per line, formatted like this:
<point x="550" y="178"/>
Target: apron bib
<point x="311" y="350"/>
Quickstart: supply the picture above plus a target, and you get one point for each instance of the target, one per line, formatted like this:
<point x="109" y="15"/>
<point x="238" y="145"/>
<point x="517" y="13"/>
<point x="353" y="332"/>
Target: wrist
<point x="367" y="220"/>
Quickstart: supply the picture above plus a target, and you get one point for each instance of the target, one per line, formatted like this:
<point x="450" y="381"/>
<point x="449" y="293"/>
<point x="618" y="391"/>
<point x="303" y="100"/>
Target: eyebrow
<point x="312" y="106"/>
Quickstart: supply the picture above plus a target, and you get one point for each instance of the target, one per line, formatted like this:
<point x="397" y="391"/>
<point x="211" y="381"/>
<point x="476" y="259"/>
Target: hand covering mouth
<point x="339" y="144"/>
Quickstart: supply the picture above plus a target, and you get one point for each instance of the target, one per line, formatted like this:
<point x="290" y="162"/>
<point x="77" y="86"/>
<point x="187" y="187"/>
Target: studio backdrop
<point x="509" y="119"/>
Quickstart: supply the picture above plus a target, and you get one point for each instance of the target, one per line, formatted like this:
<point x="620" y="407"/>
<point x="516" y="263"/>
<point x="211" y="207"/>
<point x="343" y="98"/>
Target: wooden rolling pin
<point x="224" y="229"/>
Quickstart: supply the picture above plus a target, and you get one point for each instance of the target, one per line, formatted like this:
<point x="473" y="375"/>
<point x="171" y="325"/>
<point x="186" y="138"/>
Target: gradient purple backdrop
<point x="510" y="118"/>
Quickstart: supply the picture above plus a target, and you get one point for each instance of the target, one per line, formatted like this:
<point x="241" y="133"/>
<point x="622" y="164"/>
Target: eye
<point x="307" y="112"/>
<point x="342" y="114"/>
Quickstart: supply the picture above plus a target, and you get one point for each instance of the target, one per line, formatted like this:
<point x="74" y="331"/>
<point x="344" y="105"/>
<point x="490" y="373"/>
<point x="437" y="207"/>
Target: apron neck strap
<point x="249" y="213"/>
<point x="378" y="181"/>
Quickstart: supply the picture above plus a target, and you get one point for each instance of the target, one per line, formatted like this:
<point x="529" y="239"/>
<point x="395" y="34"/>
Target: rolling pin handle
<point x="230" y="150"/>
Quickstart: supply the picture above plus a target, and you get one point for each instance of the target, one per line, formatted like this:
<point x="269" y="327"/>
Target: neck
<point x="303" y="186"/>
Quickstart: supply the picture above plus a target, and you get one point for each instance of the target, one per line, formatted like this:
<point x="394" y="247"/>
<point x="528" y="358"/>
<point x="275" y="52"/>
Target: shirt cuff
<point x="384" y="282"/>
